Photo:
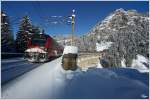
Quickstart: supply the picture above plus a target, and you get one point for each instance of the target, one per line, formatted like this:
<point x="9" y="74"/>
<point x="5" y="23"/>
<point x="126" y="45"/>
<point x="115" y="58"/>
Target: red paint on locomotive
<point x="44" y="43"/>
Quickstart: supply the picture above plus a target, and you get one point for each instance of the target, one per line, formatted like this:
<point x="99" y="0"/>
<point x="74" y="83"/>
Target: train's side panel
<point x="54" y="49"/>
<point x="50" y="46"/>
<point x="48" y="42"/>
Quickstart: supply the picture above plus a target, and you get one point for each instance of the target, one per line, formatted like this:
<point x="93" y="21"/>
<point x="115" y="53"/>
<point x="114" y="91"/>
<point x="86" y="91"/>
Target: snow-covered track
<point x="7" y="55"/>
<point x="12" y="68"/>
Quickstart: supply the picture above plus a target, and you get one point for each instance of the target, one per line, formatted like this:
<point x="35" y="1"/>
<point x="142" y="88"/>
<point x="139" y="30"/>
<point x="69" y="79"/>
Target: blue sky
<point x="88" y="13"/>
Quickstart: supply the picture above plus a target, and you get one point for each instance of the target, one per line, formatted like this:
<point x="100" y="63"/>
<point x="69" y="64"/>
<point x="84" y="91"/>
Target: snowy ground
<point x="51" y="81"/>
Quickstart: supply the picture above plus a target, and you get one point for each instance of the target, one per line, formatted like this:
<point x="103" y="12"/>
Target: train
<point x="41" y="48"/>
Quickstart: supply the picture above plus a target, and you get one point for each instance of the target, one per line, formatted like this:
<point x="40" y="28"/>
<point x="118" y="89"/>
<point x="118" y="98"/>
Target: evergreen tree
<point x="7" y="40"/>
<point x="23" y="34"/>
<point x="26" y="29"/>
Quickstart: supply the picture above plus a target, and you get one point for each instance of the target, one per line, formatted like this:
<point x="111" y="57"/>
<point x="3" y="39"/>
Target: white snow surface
<point x="123" y="63"/>
<point x="3" y="14"/>
<point x="103" y="46"/>
<point x="73" y="15"/>
<point x="45" y="81"/>
<point x="107" y="19"/>
<point x="138" y="64"/>
<point x="70" y="49"/>
<point x="51" y="81"/>
<point x="5" y="23"/>
<point x="12" y="60"/>
<point x="99" y="65"/>
<point x="64" y="41"/>
<point x="35" y="50"/>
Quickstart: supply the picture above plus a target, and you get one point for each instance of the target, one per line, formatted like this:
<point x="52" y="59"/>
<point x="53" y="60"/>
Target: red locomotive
<point x="41" y="48"/>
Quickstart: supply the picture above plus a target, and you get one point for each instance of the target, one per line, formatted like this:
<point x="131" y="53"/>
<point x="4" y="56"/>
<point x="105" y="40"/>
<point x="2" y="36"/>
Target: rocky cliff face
<point x="129" y="33"/>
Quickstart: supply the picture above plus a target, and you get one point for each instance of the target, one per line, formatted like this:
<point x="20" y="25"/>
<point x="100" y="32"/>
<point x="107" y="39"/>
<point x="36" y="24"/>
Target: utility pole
<point x="73" y="22"/>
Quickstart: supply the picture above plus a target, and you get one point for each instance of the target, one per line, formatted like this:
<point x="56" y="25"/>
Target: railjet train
<point x="42" y="47"/>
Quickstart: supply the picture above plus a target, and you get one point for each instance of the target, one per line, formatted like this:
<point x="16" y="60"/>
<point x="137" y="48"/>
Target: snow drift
<point x="140" y="63"/>
<point x="50" y="81"/>
<point x="70" y="49"/>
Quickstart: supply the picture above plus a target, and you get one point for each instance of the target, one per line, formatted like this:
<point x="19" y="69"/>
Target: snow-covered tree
<point x="7" y="40"/>
<point x="26" y="29"/>
<point x="22" y="36"/>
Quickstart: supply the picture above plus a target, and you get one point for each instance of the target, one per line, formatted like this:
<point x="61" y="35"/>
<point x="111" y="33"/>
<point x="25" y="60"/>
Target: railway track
<point x="12" y="68"/>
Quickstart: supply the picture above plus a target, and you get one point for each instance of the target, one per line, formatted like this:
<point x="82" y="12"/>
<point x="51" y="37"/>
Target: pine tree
<point x="26" y="29"/>
<point x="7" y="40"/>
<point x="23" y="34"/>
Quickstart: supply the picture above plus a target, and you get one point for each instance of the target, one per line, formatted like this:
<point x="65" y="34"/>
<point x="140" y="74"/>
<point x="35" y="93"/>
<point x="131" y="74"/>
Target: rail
<point x="7" y="55"/>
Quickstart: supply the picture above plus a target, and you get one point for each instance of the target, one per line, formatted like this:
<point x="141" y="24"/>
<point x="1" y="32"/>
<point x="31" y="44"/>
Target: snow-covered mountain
<point x="128" y="33"/>
<point x="118" y="20"/>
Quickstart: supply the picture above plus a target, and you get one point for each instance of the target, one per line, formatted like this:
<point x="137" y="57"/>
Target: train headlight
<point x="42" y="55"/>
<point x="30" y="54"/>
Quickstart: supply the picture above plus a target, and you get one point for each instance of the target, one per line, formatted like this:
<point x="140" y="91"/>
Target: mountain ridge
<point x="129" y="32"/>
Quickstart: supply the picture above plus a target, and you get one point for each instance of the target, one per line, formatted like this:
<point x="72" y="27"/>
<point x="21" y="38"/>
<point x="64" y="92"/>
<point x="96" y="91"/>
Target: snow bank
<point x="41" y="82"/>
<point x="107" y="84"/>
<point x="51" y="81"/>
<point x="141" y="64"/>
<point x="44" y="82"/>
<point x="102" y="46"/>
<point x="99" y="65"/>
<point x="70" y="49"/>
<point x="3" y="14"/>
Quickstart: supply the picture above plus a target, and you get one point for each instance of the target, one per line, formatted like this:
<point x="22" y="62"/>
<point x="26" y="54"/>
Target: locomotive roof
<point x="40" y="35"/>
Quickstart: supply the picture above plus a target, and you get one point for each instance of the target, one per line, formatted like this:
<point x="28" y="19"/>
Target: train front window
<point x="40" y="42"/>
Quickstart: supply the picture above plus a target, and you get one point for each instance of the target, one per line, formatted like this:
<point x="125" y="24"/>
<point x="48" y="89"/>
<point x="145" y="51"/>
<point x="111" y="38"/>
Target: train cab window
<point x="40" y="42"/>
